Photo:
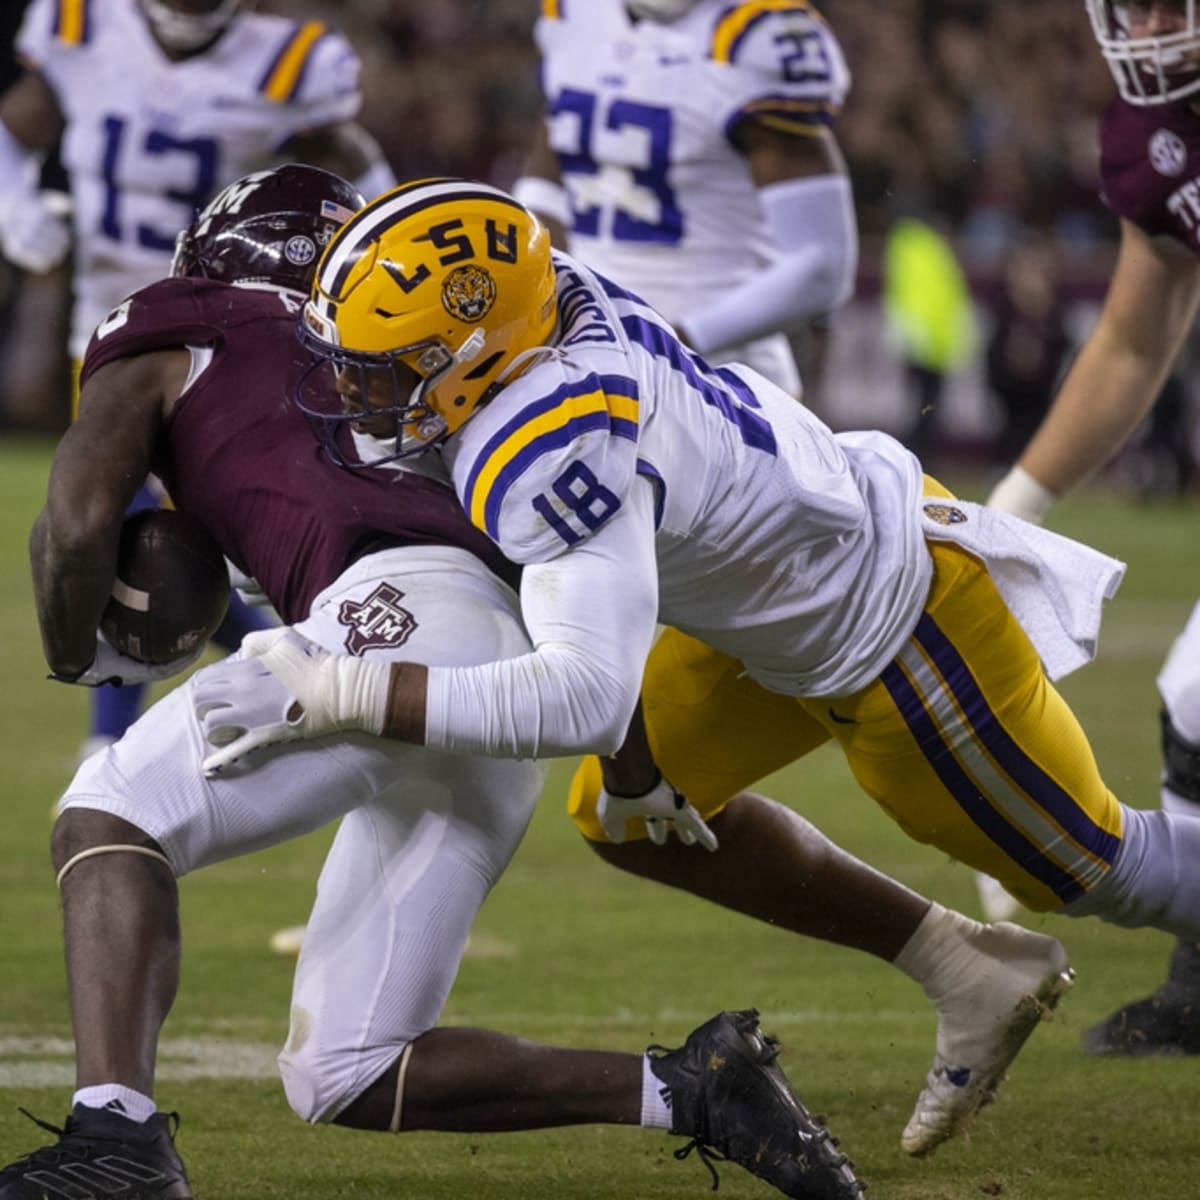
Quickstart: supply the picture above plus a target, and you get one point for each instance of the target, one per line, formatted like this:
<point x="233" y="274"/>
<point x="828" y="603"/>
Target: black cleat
<point x="728" y="1094"/>
<point x="1166" y="1023"/>
<point x="101" y="1155"/>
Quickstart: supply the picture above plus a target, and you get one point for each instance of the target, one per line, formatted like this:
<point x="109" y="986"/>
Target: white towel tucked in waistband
<point x="1055" y="587"/>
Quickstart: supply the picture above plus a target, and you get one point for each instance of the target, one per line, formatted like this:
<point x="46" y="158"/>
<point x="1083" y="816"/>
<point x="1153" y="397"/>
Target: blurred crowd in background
<point x="972" y="121"/>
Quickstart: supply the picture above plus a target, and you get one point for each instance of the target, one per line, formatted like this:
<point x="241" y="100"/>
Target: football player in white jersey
<point x="687" y="153"/>
<point x="159" y="104"/>
<point x="818" y="587"/>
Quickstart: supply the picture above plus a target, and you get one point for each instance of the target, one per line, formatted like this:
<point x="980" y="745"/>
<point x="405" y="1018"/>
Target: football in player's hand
<point x="171" y="590"/>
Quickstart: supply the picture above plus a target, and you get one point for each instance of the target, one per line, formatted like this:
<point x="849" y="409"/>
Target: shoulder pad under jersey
<point x="786" y="66"/>
<point x="550" y="459"/>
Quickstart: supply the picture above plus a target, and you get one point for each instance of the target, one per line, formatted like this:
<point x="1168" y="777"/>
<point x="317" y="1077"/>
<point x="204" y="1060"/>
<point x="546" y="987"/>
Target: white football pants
<point x="424" y="835"/>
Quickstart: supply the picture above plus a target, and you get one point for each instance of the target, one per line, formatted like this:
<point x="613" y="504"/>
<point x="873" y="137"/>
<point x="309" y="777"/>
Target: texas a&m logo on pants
<point x="378" y="622"/>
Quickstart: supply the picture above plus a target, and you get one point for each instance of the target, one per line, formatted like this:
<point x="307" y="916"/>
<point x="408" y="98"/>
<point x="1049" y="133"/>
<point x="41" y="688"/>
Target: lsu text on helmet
<point x="1152" y="47"/>
<point x="660" y="10"/>
<point x="267" y="227"/>
<point x="425" y="303"/>
<point x="185" y="25"/>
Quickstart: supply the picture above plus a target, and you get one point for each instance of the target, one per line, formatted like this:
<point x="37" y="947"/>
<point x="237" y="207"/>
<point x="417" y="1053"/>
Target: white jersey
<point x="149" y="141"/>
<point x="795" y="550"/>
<point x="641" y="114"/>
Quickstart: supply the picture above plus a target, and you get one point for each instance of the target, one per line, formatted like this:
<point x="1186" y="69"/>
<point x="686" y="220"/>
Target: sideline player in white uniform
<point x="687" y="153"/>
<point x="1149" y="165"/>
<point x="160" y="103"/>
<point x="635" y="482"/>
<point x="194" y="376"/>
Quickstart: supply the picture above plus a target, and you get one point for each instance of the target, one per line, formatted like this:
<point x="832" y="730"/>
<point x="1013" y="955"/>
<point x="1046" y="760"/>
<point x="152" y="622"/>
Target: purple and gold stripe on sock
<point x="1004" y="792"/>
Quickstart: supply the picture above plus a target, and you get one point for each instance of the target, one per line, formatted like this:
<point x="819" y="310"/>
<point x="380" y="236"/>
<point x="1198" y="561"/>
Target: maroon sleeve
<point x="1150" y="168"/>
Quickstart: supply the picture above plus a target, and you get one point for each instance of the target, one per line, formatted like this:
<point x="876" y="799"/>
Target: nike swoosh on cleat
<point x="841" y="720"/>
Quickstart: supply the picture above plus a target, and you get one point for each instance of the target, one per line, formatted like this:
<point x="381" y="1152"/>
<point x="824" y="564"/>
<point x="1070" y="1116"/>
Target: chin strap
<point x="118" y="849"/>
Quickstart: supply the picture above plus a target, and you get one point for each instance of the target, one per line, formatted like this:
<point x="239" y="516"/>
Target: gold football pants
<point x="962" y="740"/>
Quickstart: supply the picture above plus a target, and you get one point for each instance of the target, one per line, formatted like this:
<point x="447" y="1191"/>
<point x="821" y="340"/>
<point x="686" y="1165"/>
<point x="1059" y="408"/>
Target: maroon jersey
<point x="1150" y="168"/>
<point x="238" y="455"/>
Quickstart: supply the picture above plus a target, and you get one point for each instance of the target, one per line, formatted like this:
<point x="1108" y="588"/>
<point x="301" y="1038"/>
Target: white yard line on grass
<point x="36" y="1062"/>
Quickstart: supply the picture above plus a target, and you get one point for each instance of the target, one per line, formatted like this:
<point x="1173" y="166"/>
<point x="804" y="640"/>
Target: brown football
<point x="171" y="590"/>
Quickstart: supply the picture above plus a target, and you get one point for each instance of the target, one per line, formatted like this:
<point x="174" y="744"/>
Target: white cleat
<point x="1006" y="979"/>
<point x="995" y="903"/>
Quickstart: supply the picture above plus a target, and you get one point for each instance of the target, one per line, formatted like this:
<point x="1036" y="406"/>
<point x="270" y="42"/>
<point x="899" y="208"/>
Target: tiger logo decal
<point x="468" y="293"/>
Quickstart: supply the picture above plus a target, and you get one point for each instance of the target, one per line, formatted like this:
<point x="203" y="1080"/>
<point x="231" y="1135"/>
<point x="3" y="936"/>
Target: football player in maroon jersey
<point x="1150" y="174"/>
<point x="192" y="378"/>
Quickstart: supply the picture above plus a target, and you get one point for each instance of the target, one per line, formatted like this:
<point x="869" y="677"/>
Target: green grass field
<point x="568" y="950"/>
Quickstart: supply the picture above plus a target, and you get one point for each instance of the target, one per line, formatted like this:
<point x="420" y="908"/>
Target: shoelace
<point x="44" y="1154"/>
<point x="706" y="1152"/>
<point x="52" y="1155"/>
<point x="707" y="1156"/>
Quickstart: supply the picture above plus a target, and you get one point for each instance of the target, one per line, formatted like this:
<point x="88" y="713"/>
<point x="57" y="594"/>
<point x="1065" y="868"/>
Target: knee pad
<point x="311" y="1094"/>
<point x="320" y="1081"/>
<point x="1181" y="762"/>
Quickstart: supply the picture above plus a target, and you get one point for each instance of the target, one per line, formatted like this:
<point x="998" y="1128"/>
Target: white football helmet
<point x="184" y="25"/>
<point x="660" y="10"/>
<point x="1149" y="70"/>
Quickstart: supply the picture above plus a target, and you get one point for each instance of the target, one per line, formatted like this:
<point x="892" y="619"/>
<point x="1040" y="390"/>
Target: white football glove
<point x="33" y="233"/>
<point x="661" y="807"/>
<point x="327" y="693"/>
<point x="111" y="666"/>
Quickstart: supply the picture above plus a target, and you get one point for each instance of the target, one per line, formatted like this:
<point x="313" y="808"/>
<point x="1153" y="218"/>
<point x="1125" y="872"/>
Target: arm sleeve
<point x="590" y="615"/>
<point x="811" y="224"/>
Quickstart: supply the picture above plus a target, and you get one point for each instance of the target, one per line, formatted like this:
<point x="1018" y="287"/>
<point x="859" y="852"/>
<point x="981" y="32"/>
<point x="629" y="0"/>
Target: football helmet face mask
<point x="1152" y="47"/>
<point x="431" y="298"/>
<point x="268" y="227"/>
<point x="660" y="10"/>
<point x="186" y="25"/>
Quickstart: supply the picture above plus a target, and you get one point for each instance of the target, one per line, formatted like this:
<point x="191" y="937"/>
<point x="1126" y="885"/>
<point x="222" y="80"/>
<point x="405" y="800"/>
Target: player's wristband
<point x="544" y="197"/>
<point x="1020" y="494"/>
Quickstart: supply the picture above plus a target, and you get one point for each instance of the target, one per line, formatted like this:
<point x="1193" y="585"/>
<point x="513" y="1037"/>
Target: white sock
<point x="118" y="1099"/>
<point x="926" y="956"/>
<point x="656" y="1098"/>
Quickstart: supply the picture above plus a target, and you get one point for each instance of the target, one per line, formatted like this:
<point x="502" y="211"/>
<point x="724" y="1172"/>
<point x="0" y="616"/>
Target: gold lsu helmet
<point x="447" y="279"/>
